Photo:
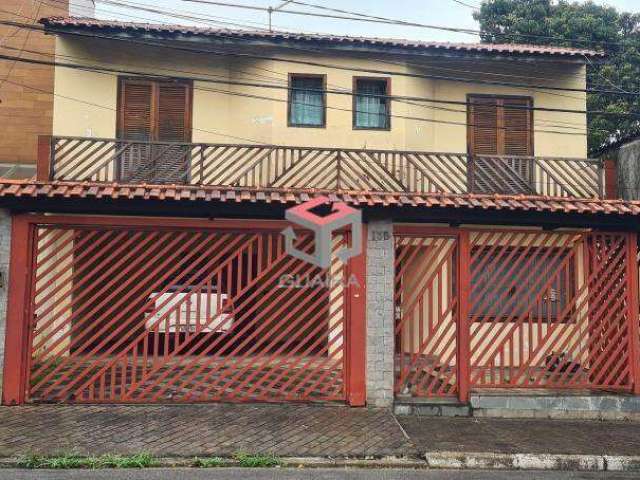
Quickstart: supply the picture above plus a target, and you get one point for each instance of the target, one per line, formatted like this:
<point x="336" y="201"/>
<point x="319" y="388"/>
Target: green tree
<point x="579" y="25"/>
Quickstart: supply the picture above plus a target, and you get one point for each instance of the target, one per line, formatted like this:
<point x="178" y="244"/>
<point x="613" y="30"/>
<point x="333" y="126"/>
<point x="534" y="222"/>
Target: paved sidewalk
<point x="191" y="430"/>
<point x="295" y="431"/>
<point x="528" y="436"/>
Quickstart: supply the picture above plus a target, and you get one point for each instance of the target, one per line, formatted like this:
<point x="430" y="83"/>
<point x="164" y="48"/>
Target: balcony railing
<point x="109" y="160"/>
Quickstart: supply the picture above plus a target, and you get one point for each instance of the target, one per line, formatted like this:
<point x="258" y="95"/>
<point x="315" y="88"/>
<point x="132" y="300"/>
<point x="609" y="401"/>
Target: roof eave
<point x="120" y="32"/>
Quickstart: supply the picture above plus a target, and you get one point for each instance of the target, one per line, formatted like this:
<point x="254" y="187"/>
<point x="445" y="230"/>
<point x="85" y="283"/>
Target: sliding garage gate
<point x="486" y="309"/>
<point x="136" y="314"/>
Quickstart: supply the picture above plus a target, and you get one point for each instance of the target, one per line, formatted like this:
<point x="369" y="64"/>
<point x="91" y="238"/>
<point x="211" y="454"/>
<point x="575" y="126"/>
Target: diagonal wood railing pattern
<point x="109" y="160"/>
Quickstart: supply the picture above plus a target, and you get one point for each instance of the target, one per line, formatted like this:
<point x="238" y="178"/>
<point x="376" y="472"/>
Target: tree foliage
<point x="579" y="25"/>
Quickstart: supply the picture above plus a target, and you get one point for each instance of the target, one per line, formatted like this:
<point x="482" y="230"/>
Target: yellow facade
<point x="86" y="101"/>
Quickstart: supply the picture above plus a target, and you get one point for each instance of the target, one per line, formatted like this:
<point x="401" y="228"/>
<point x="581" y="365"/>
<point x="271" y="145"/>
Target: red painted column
<point x="357" y="328"/>
<point x="633" y="310"/>
<point x="463" y="336"/>
<point x="15" y="350"/>
<point x="43" y="165"/>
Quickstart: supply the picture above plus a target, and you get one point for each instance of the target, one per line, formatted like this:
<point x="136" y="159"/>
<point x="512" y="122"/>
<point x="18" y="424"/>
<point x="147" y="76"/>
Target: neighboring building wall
<point x="380" y="314"/>
<point x="5" y="255"/>
<point x="628" y="162"/>
<point x="226" y="114"/>
<point x="82" y="8"/>
<point x="26" y="101"/>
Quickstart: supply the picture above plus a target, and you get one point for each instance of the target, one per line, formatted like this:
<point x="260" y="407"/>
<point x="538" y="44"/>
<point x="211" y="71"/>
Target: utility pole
<point x="275" y="9"/>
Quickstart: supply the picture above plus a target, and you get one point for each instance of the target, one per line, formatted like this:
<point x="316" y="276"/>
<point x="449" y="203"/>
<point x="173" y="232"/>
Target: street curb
<point x="285" y="462"/>
<point x="528" y="461"/>
<point x="432" y="460"/>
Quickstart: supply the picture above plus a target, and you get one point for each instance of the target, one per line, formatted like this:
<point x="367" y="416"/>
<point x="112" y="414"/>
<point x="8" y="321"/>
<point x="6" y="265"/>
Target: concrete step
<point x="568" y="406"/>
<point x="436" y="407"/>
<point x="591" y="406"/>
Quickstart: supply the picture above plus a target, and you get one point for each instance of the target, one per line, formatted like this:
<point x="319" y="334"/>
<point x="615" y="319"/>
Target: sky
<point x="431" y="12"/>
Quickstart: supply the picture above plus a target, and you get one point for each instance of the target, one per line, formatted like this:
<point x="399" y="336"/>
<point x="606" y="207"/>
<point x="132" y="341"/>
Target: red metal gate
<point x="508" y="308"/>
<point x="426" y="299"/>
<point x="139" y="314"/>
<point x="550" y="310"/>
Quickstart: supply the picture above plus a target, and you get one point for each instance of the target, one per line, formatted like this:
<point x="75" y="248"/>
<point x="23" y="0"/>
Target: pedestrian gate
<point x="138" y="314"/>
<point x="526" y="309"/>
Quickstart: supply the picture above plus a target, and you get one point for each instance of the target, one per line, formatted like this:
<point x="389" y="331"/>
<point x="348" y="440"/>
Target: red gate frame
<point x="464" y="275"/>
<point x="16" y="361"/>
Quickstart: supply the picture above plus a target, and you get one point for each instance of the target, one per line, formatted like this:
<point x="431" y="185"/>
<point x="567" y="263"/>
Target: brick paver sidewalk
<point x="190" y="430"/>
<point x="533" y="436"/>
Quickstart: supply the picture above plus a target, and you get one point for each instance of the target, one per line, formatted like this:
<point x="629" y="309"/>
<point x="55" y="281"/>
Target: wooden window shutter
<point x="483" y="126"/>
<point x="500" y="126"/>
<point x="173" y="113"/>
<point x="135" y="113"/>
<point x="151" y="111"/>
<point x="173" y="125"/>
<point x="497" y="129"/>
<point x="518" y="137"/>
<point x="154" y="111"/>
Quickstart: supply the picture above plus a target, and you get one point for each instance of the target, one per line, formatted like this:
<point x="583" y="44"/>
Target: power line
<point x="377" y="19"/>
<point x="325" y="90"/>
<point x="464" y="4"/>
<point x="285" y="81"/>
<point x="259" y="142"/>
<point x="399" y="73"/>
<point x="337" y="17"/>
<point x="165" y="12"/>
<point x="465" y="30"/>
<point x="329" y="66"/>
<point x="302" y="3"/>
<point x="13" y="34"/>
<point x="207" y="20"/>
<point x="342" y="68"/>
<point x="104" y="70"/>
<point x="55" y="94"/>
<point x="24" y="45"/>
<point x="172" y="13"/>
<point x="362" y="17"/>
<point x="175" y="14"/>
<point x="407" y="63"/>
<point x="556" y="123"/>
<point x="447" y="78"/>
<point x="53" y="29"/>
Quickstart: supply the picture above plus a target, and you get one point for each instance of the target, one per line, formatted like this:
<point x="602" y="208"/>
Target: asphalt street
<point x="299" y="474"/>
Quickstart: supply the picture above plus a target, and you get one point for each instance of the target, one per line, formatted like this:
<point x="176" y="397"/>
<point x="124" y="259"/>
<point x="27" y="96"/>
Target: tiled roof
<point x="170" y="193"/>
<point x="61" y="23"/>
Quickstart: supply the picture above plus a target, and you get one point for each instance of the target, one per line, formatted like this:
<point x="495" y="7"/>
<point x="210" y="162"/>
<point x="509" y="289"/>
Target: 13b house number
<point x="379" y="236"/>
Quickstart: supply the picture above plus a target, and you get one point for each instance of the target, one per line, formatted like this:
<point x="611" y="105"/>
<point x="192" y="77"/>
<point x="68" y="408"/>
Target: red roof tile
<point x="195" y="193"/>
<point x="62" y="23"/>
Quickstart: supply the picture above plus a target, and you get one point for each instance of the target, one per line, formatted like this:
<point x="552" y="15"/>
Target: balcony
<point x="133" y="162"/>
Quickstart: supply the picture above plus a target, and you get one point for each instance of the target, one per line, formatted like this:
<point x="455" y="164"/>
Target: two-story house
<point x="149" y="264"/>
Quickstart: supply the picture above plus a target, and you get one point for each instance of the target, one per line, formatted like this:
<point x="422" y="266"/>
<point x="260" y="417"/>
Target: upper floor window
<point x="371" y="106"/>
<point x="307" y="101"/>
<point x="500" y="125"/>
<point x="153" y="111"/>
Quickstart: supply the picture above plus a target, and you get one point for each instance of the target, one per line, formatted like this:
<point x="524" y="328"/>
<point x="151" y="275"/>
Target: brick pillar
<point x="380" y="311"/>
<point x="5" y="255"/>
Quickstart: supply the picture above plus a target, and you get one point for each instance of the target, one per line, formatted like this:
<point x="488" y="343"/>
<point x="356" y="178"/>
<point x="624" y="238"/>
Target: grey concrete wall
<point x="5" y="255"/>
<point x="582" y="407"/>
<point x="629" y="171"/>
<point x="380" y="321"/>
